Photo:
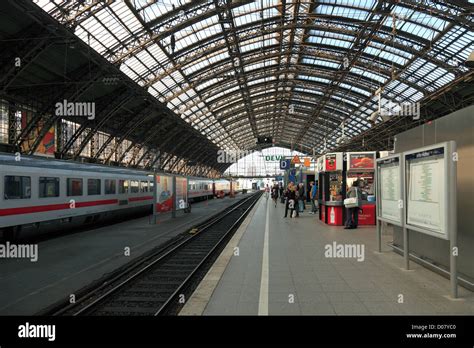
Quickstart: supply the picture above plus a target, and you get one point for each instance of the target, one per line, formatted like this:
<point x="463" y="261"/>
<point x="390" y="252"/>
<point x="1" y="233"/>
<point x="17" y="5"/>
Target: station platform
<point x="70" y="262"/>
<point x="278" y="266"/>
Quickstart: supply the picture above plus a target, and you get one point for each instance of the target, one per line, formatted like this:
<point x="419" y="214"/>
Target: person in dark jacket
<point x="290" y="194"/>
<point x="275" y="190"/>
<point x="352" y="214"/>
<point x="301" y="197"/>
<point x="293" y="196"/>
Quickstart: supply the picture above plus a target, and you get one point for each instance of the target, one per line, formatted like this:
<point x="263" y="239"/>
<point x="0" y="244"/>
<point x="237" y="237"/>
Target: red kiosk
<point x="361" y="166"/>
<point x="332" y="188"/>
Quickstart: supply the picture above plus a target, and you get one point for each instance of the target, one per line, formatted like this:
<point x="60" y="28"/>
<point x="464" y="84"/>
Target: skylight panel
<point x="312" y="78"/>
<point x="418" y="30"/>
<point x="155" y="10"/>
<point x="368" y="74"/>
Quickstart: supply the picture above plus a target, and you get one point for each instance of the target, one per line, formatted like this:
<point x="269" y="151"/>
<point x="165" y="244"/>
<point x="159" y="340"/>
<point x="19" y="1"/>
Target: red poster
<point x="361" y="161"/>
<point x="331" y="162"/>
<point x="164" y="189"/>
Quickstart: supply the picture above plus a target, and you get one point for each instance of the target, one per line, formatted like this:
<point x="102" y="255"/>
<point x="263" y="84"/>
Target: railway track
<point x="159" y="282"/>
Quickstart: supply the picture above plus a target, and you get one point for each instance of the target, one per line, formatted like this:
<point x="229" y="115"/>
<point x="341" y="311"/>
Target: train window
<point x="206" y="187"/>
<point x="74" y="187"/>
<point x="109" y="186"/>
<point x="93" y="187"/>
<point x="134" y="187"/>
<point x="48" y="187"/>
<point x="144" y="186"/>
<point x="123" y="186"/>
<point x="151" y="185"/>
<point x="17" y="187"/>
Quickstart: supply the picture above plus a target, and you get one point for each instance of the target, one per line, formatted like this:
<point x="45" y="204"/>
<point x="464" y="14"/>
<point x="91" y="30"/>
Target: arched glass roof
<point x="294" y="70"/>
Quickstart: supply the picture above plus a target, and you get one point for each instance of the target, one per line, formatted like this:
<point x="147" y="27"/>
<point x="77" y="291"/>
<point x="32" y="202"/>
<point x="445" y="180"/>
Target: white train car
<point x="199" y="189"/>
<point x="40" y="194"/>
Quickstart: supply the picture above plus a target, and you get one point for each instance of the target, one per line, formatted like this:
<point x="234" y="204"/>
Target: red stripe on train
<point x="51" y="207"/>
<point x="134" y="199"/>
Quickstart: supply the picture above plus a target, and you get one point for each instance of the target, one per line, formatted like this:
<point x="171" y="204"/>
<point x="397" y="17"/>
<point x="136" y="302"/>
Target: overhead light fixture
<point x="373" y="117"/>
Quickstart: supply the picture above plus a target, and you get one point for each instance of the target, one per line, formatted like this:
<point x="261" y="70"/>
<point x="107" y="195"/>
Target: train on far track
<point x="39" y="195"/>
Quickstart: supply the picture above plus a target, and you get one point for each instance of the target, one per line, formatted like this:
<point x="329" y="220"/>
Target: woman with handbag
<point x="353" y="203"/>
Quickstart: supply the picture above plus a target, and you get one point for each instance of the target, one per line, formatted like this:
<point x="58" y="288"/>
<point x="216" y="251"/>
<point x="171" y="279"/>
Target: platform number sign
<point x="285" y="164"/>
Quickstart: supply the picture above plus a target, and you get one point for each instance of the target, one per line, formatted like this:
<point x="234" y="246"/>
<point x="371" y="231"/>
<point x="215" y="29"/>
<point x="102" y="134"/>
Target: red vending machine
<point x="332" y="188"/>
<point x="361" y="166"/>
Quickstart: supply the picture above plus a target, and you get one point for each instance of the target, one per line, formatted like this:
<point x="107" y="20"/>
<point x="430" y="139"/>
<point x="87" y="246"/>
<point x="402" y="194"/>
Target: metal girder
<point x="105" y="116"/>
<point x="313" y="49"/>
<point x="226" y="20"/>
<point x="72" y="93"/>
<point x="362" y="42"/>
<point x="173" y="21"/>
<point x="26" y="53"/>
<point x="167" y="139"/>
<point x="168" y="54"/>
<point x="183" y="139"/>
<point x="426" y="49"/>
<point x="110" y="107"/>
<point x="310" y="70"/>
<point x="74" y="13"/>
<point x="130" y="125"/>
<point x="298" y="101"/>
<point x="191" y="154"/>
<point x="147" y="137"/>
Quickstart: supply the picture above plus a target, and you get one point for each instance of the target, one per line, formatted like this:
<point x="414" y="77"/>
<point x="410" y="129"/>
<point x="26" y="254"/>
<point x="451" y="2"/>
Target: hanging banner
<point x="164" y="196"/>
<point x="181" y="193"/>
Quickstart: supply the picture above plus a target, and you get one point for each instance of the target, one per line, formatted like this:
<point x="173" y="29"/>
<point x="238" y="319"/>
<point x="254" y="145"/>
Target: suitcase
<point x="282" y="199"/>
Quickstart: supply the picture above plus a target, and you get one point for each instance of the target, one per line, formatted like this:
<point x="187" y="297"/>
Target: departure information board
<point x="427" y="190"/>
<point x="389" y="189"/>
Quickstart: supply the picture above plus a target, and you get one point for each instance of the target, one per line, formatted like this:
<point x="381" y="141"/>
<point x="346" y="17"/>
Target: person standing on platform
<point x="313" y="195"/>
<point x="352" y="214"/>
<point x="275" y="193"/>
<point x="290" y="194"/>
<point x="301" y="197"/>
<point x="295" y="196"/>
<point x="267" y="191"/>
